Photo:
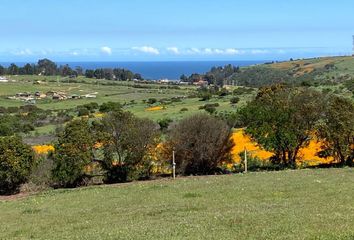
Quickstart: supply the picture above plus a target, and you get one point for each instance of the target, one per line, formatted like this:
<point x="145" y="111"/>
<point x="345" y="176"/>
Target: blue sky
<point x="159" y="30"/>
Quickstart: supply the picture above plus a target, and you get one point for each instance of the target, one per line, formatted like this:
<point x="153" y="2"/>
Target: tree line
<point x="47" y="67"/>
<point x="216" y="75"/>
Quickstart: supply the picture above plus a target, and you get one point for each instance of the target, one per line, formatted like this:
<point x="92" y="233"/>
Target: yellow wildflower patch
<point x="156" y="108"/>
<point x="308" y="155"/>
<point x="242" y="142"/>
<point x="43" y="149"/>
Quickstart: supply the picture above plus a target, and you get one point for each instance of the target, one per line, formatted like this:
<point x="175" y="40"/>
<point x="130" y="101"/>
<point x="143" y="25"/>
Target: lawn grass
<point x="302" y="204"/>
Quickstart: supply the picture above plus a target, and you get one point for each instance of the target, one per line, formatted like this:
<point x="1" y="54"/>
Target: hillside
<point x="303" y="204"/>
<point x="314" y="72"/>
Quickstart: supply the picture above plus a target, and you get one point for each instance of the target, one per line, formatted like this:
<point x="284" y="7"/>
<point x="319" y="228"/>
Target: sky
<point x="174" y="30"/>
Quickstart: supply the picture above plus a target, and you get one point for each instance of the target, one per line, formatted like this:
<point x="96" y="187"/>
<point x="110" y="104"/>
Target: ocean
<point x="157" y="70"/>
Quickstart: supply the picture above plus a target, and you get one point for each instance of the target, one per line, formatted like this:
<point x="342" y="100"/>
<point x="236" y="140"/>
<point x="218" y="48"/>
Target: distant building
<point x="201" y="83"/>
<point x="3" y="80"/>
<point x="90" y="96"/>
<point x="184" y="83"/>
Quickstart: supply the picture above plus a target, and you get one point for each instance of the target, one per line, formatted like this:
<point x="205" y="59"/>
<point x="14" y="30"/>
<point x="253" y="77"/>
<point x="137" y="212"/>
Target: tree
<point x="28" y="69"/>
<point x="127" y="142"/>
<point x="79" y="70"/>
<point x="2" y="70"/>
<point x="73" y="151"/>
<point x="108" y="73"/>
<point x="89" y="73"/>
<point x="183" y="78"/>
<point x="16" y="163"/>
<point x="66" y="70"/>
<point x="99" y="73"/>
<point x="138" y="76"/>
<point x="337" y="129"/>
<point x="202" y="144"/>
<point x="13" y="69"/>
<point x="282" y="120"/>
<point x="47" y="67"/>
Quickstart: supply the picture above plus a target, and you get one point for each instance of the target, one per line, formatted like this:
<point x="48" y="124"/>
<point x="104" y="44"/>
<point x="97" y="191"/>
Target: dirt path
<point x="14" y="197"/>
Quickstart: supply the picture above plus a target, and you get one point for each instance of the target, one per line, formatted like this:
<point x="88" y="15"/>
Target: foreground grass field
<point x="303" y="204"/>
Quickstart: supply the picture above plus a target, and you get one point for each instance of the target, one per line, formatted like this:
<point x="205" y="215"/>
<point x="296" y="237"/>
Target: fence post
<point x="246" y="160"/>
<point x="173" y="165"/>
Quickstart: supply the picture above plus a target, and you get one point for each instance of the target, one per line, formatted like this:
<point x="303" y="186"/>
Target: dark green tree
<point x="2" y="70"/>
<point x="28" y="69"/>
<point x="337" y="129"/>
<point x="13" y="69"/>
<point x="47" y="67"/>
<point x="89" y="73"/>
<point x="282" y="120"/>
<point x="126" y="145"/>
<point x="73" y="151"/>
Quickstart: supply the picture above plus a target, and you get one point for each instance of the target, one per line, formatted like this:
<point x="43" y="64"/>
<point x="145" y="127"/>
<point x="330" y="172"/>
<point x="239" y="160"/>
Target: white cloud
<point x="106" y="50"/>
<point x="215" y="51"/>
<point x="219" y="51"/>
<point x="174" y="50"/>
<point x="259" y="51"/>
<point x="23" y="52"/>
<point x="208" y="51"/>
<point x="233" y="51"/>
<point x="147" y="49"/>
<point x="193" y="50"/>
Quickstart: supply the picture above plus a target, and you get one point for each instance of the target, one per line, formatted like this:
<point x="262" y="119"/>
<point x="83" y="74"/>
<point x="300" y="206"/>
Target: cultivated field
<point x="302" y="204"/>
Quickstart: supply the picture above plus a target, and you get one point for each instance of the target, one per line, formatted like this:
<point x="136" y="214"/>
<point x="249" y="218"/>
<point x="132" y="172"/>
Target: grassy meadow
<point x="301" y="204"/>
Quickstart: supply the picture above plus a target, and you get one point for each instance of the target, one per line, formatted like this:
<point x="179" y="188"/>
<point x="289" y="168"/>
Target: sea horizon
<point x="154" y="69"/>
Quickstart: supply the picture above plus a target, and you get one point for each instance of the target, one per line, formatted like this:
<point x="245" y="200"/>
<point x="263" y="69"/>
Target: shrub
<point x="234" y="100"/>
<point x="164" y="123"/>
<point x="210" y="108"/>
<point x="205" y="96"/>
<point x="3" y="110"/>
<point x="73" y="152"/>
<point x="242" y="91"/>
<point x="83" y="112"/>
<point x="152" y="101"/>
<point x="41" y="176"/>
<point x="16" y="163"/>
<point x="12" y="109"/>
<point x="223" y="92"/>
<point x="110" y="107"/>
<point x="202" y="143"/>
<point x="90" y="106"/>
